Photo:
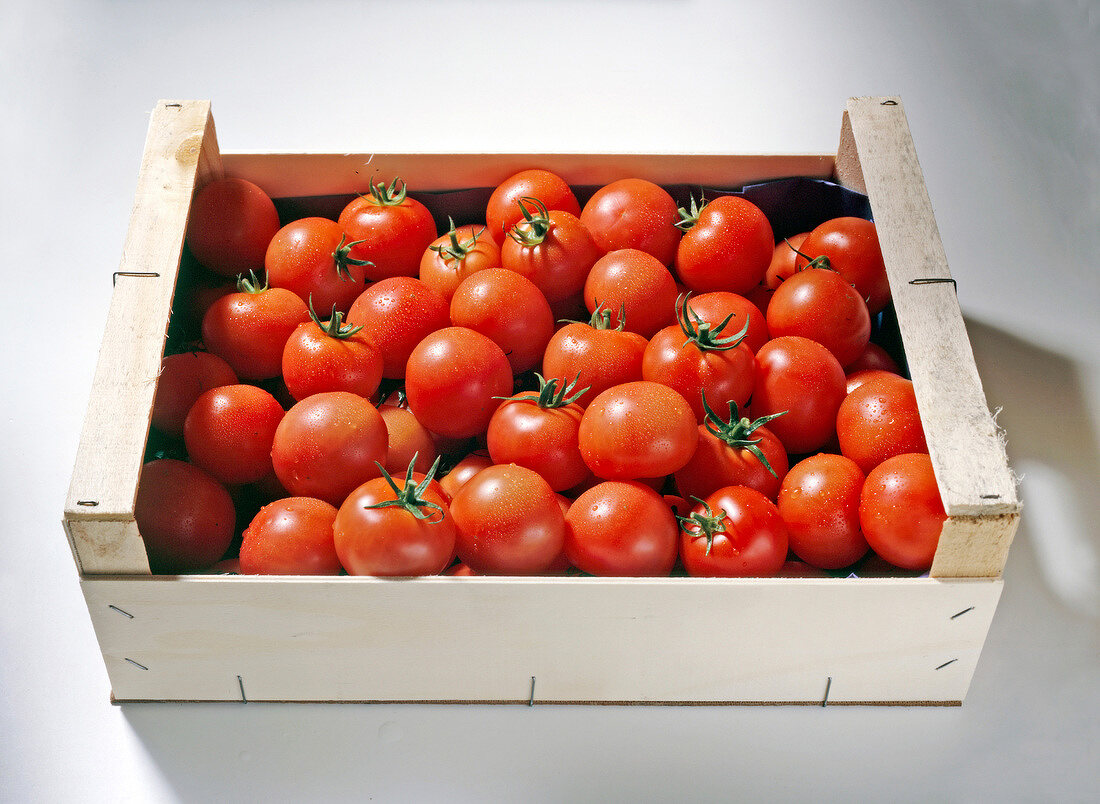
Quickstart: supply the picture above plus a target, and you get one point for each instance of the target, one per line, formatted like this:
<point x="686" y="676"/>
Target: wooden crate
<point x="542" y="640"/>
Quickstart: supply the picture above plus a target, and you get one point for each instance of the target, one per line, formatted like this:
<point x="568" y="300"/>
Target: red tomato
<point x="328" y="444"/>
<point x="502" y="211"/>
<point x="250" y="328"/>
<point x="408" y="440"/>
<point x="452" y="379"/>
<point x="784" y="260"/>
<point x="540" y="431"/>
<point x="736" y="532"/>
<point x="461" y="252"/>
<point x="633" y="283"/>
<point x="552" y="249"/>
<point x="463" y="471"/>
<point x="391" y="231"/>
<point x="728" y="247"/>
<point x="310" y="257"/>
<point x="695" y="358"/>
<point x="819" y="502"/>
<point x="595" y="355"/>
<point x="855" y="379"/>
<point x="621" y="528"/>
<point x="638" y="429"/>
<point x="230" y="225"/>
<point x="330" y="356"/>
<point x="507" y="522"/>
<point x="878" y="420"/>
<point x="185" y="516"/>
<point x="819" y="304"/>
<point x="460" y="570"/>
<point x="396" y="314"/>
<point x="393" y="530"/>
<point x="715" y="307"/>
<point x="183" y="379"/>
<point x="901" y="512"/>
<point x="509" y="310"/>
<point x="851" y="244"/>
<point x="633" y="213"/>
<point x="229" y="432"/>
<point x="802" y="377"/>
<point x="292" y="536"/>
<point x="873" y="357"/>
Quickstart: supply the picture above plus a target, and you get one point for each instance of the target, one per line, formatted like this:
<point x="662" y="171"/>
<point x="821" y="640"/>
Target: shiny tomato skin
<point x="855" y="379"/>
<point x="394" y="237"/>
<point x="597" y="358"/>
<point x="637" y="430"/>
<point x="184" y="515"/>
<point x="723" y="375"/>
<point x="396" y="314"/>
<point x="803" y="378"/>
<point x="230" y="224"/>
<point x="508" y="309"/>
<point x="291" y="536"/>
<point x="819" y="502"/>
<point x="406" y="437"/>
<point x="621" y="528"/>
<point x="752" y="542"/>
<point x="229" y="431"/>
<point x="714" y="307"/>
<point x="464" y="470"/>
<point x="900" y="511"/>
<point x="250" y="330"/>
<point x="784" y="260"/>
<point x="852" y="246"/>
<point x="328" y="444"/>
<point x="874" y="357"/>
<point x="729" y="247"/>
<point x="559" y="264"/>
<point x="544" y="440"/>
<point x="502" y="211"/>
<point x="818" y="304"/>
<point x="507" y="522"/>
<point x="444" y="273"/>
<point x="636" y="283"/>
<point x="303" y="258"/>
<point x="633" y="213"/>
<point x="716" y="464"/>
<point x="878" y="420"/>
<point x="452" y="378"/>
<point x="315" y="362"/>
<point x="184" y="378"/>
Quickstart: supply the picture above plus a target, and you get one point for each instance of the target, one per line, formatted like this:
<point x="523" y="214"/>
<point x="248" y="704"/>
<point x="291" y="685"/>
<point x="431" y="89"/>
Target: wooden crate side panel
<point x="180" y="150"/>
<point x="443" y="639"/>
<point x="973" y="546"/>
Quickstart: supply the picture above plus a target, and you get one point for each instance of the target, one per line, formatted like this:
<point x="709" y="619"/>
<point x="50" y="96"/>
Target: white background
<point x="1003" y="103"/>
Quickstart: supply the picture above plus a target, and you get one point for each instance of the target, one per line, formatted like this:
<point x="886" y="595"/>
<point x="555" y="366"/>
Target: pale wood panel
<point x="974" y="546"/>
<point x="630" y="640"/>
<point x="180" y="147"/>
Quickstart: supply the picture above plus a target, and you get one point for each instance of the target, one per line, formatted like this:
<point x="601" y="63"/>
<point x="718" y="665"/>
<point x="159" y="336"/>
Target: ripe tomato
<point x="715" y="307"/>
<point x="540" y="431"/>
<point x="409" y="442"/>
<point x="230" y="224"/>
<point x="855" y="379"/>
<point x="328" y="444"/>
<point x="819" y="502"/>
<point x="185" y="516"/>
<point x="502" y="211"/>
<point x="229" y="432"/>
<point x="633" y="213"/>
<point x="464" y="470"/>
<point x="621" y="528"/>
<point x="901" y="512"/>
<point x="330" y="356"/>
<point x="784" y="260"/>
<point x="552" y="249"/>
<point x="873" y="357"/>
<point x="292" y="536"/>
<point x="250" y="328"/>
<point x="818" y="304"/>
<point x="596" y="355"/>
<point x="802" y="377"/>
<point x="509" y="310"/>
<point x="734" y="451"/>
<point x="390" y="230"/>
<point x="393" y="530"/>
<point x="851" y="244"/>
<point x="461" y="252"/>
<point x="638" y="429"/>
<point x="396" y="314"/>
<point x="452" y="378"/>
<point x="728" y="246"/>
<point x="507" y="522"/>
<point x="310" y="257"/>
<point x="878" y="420"/>
<point x="695" y="358"/>
<point x="184" y="378"/>
<point x="736" y="532"/>
<point x="633" y="283"/>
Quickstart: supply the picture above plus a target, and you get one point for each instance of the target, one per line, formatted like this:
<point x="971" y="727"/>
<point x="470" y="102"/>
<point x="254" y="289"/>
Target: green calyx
<point x="335" y="326"/>
<point x="811" y="262"/>
<point x="549" y="395"/>
<point x="410" y="497"/>
<point x="388" y="196"/>
<point x="689" y="216"/>
<point x="707" y="337"/>
<point x="703" y="523"/>
<point x="534" y="227"/>
<point x="250" y="284"/>
<point x="342" y="257"/>
<point x="737" y="432"/>
<point x="455" y="250"/>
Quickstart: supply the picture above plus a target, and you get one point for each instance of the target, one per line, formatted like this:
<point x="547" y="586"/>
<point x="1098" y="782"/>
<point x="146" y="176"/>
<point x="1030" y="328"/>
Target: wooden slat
<point x="977" y="487"/>
<point x="180" y="150"/>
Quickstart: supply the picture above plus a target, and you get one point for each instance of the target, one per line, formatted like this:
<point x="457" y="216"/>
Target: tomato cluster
<point x="621" y="387"/>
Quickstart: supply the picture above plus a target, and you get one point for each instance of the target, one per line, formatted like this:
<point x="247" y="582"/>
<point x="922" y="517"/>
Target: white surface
<point x="1003" y="102"/>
